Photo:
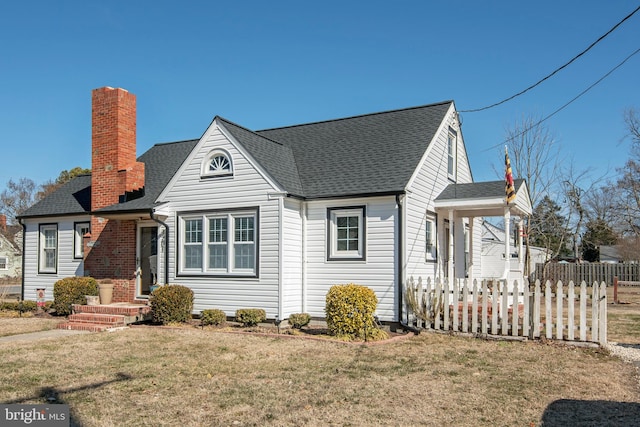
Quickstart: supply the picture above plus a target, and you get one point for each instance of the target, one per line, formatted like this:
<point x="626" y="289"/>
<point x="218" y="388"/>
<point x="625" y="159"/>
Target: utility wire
<point x="556" y="70"/>
<point x="566" y="104"/>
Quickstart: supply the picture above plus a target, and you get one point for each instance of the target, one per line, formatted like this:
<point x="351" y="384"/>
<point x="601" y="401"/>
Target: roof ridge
<point x="175" y="142"/>
<point x="356" y="116"/>
<point x="249" y="130"/>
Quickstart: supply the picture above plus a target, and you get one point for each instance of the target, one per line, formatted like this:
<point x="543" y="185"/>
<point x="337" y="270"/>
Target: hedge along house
<point x="268" y="219"/>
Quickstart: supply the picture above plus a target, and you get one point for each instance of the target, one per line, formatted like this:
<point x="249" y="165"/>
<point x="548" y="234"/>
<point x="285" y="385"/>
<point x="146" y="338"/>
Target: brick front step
<point x="97" y="318"/>
<point x="137" y="311"/>
<point x="102" y="319"/>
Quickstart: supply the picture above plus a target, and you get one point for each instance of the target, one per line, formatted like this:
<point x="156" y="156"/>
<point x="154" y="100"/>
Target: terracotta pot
<point x="106" y="292"/>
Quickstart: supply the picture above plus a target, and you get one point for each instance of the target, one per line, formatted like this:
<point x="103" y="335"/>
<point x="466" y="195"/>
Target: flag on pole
<point x="510" y="189"/>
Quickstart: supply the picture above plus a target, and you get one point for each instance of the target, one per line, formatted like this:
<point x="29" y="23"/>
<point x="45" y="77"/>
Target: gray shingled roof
<point x="276" y="158"/>
<point x="476" y="190"/>
<point x="72" y="198"/>
<point x="161" y="163"/>
<point x="362" y="155"/>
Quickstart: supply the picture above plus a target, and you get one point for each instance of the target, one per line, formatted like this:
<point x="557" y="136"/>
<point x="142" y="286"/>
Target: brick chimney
<point x="3" y="222"/>
<point x="114" y="169"/>
<point x="110" y="247"/>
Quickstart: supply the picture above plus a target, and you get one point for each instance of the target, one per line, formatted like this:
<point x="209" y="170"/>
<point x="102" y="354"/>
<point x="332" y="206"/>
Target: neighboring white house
<point x="493" y="250"/>
<point x="10" y="255"/>
<point x="273" y="218"/>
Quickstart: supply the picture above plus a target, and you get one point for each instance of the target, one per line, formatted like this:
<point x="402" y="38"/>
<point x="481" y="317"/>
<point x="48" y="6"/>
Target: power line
<point x="566" y="104"/>
<point x="556" y="70"/>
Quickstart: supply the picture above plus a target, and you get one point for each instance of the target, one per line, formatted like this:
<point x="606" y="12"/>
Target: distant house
<point x="610" y="254"/>
<point x="493" y="252"/>
<point x="271" y="218"/>
<point x="10" y="254"/>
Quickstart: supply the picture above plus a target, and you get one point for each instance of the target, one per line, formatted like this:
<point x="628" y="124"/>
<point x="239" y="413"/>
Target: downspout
<point x="166" y="246"/>
<point x="280" y="256"/>
<point x="304" y="257"/>
<point x="24" y="239"/>
<point x="400" y="273"/>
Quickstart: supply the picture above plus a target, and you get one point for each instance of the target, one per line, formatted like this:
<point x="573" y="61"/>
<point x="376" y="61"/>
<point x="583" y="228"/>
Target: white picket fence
<point x="495" y="307"/>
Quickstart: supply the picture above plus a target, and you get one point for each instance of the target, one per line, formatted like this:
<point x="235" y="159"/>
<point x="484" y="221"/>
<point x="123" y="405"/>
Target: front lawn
<point x="193" y="377"/>
<point x="12" y="324"/>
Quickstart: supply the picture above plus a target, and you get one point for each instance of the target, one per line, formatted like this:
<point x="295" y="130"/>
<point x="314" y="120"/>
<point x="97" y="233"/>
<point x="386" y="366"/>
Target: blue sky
<point x="269" y="64"/>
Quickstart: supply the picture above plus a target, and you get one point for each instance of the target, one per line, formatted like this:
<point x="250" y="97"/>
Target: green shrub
<point x="171" y="304"/>
<point x="213" y="317"/>
<point x="250" y="316"/>
<point x="72" y="290"/>
<point x="299" y="320"/>
<point x="27" y="306"/>
<point x="350" y="312"/>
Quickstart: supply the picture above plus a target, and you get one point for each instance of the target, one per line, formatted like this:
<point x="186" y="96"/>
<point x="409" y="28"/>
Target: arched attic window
<point x="217" y="163"/>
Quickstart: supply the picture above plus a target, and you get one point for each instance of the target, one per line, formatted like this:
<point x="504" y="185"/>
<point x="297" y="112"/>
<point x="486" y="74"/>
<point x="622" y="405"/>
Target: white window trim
<point x="230" y="269"/>
<point x="6" y="263"/>
<point x="452" y="147"/>
<point x="42" y="268"/>
<point x="431" y="253"/>
<point x="204" y="169"/>
<point x="333" y="254"/>
<point x="78" y="238"/>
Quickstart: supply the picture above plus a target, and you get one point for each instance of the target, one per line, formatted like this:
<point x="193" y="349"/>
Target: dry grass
<point x="193" y="377"/>
<point x="12" y="324"/>
<point x="623" y="319"/>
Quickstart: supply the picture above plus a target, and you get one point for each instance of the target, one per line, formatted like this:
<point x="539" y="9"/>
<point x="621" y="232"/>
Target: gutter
<point x="166" y="246"/>
<point x="24" y="238"/>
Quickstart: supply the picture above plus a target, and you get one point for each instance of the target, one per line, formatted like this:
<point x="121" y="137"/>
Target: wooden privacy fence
<point x="591" y="272"/>
<point x="495" y="307"/>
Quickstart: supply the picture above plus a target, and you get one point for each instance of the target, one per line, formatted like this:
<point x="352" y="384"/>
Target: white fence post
<point x="548" y="319"/>
<point x="465" y="306"/>
<point x="504" y="309"/>
<point x="485" y="301"/>
<point x="455" y="304"/>
<point x="494" y="308"/>
<point x="515" y="309"/>
<point x="571" y="310"/>
<point x="536" y="310"/>
<point x="595" y="307"/>
<point x="559" y="311"/>
<point x="603" y="313"/>
<point x="583" y="311"/>
<point x="474" y="308"/>
<point x="527" y="308"/>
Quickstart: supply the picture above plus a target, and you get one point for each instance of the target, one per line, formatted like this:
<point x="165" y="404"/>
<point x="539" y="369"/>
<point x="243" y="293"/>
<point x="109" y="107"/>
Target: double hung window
<point x="219" y="243"/>
<point x="48" y="252"/>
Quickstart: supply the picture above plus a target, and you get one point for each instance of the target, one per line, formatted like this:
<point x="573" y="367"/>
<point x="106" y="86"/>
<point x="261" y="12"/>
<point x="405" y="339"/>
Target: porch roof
<point x="484" y="199"/>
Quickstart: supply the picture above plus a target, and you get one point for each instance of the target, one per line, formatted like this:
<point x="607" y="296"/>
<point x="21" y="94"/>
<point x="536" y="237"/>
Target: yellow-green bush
<point x="72" y="290"/>
<point x="250" y="316"/>
<point x="299" y="320"/>
<point x="171" y="304"/>
<point x="349" y="311"/>
<point x="213" y="317"/>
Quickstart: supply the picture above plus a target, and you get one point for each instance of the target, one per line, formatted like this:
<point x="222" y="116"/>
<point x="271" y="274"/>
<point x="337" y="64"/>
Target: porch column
<point x="470" y="266"/>
<point x="507" y="242"/>
<point x="520" y="247"/>
<point x="451" y="248"/>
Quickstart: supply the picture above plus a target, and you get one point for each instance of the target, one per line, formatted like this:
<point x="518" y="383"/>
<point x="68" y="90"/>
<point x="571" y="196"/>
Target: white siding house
<point x="272" y="219"/>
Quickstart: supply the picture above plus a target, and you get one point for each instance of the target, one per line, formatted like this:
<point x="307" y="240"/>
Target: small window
<point x="451" y="153"/>
<point x="81" y="228"/>
<point x="4" y="263"/>
<point x="429" y="237"/>
<point x="346" y="233"/>
<point x="48" y="253"/>
<point x="217" y="163"/>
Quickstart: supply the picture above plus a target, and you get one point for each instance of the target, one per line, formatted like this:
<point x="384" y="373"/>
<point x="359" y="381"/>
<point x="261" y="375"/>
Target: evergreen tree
<point x="549" y="228"/>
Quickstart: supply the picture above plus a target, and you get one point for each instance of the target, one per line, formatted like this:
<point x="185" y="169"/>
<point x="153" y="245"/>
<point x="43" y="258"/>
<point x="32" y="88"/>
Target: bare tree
<point x="17" y="197"/>
<point x="534" y="155"/>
